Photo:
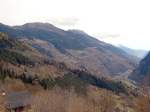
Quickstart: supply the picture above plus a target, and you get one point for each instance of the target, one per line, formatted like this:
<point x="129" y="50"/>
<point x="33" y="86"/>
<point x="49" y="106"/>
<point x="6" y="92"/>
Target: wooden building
<point x="18" y="101"/>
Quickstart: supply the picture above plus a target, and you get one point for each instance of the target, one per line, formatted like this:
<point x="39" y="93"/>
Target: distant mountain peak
<point x="38" y="25"/>
<point x="135" y="52"/>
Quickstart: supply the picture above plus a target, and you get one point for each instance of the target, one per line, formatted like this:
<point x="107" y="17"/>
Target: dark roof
<point x="17" y="99"/>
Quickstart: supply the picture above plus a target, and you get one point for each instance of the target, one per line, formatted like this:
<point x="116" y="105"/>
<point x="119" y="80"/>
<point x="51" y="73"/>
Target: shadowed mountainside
<point x="142" y="73"/>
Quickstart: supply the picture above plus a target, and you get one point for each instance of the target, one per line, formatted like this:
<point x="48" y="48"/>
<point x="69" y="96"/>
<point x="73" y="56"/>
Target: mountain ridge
<point x="17" y="65"/>
<point x="75" y="48"/>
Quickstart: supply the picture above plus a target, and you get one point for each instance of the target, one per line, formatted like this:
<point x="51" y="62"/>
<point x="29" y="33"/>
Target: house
<point x="18" y="101"/>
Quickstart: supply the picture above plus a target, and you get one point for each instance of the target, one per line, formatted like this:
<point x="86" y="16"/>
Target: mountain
<point x="142" y="73"/>
<point x="138" y="53"/>
<point x="21" y="62"/>
<point x="75" y="48"/>
<point x="20" y="58"/>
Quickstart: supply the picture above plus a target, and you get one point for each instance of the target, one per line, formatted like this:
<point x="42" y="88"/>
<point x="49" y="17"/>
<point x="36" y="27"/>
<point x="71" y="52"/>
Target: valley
<point x="69" y="71"/>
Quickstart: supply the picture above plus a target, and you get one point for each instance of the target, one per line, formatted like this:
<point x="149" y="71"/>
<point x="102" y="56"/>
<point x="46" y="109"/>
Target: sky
<point x="125" y="22"/>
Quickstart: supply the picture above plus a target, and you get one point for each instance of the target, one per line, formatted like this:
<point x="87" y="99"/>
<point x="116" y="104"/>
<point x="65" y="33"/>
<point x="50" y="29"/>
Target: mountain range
<point x="73" y="68"/>
<point x="21" y="62"/>
<point x="75" y="48"/>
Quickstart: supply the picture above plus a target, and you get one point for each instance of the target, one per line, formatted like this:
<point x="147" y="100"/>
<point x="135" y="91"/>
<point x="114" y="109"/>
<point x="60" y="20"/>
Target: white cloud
<point x="59" y="21"/>
<point x="130" y="19"/>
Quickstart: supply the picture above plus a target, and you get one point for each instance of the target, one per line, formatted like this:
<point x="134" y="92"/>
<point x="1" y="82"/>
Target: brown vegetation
<point x="58" y="100"/>
<point x="142" y="103"/>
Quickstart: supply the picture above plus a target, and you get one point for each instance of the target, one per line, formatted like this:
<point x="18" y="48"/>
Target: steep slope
<point x="142" y="73"/>
<point x="19" y="58"/>
<point x="77" y="49"/>
<point x="20" y="62"/>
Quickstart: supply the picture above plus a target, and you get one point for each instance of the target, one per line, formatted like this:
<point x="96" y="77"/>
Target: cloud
<point x="112" y="38"/>
<point x="107" y="35"/>
<point x="69" y="21"/>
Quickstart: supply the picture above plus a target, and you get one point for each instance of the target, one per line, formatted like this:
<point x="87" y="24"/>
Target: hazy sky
<point x="125" y="22"/>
